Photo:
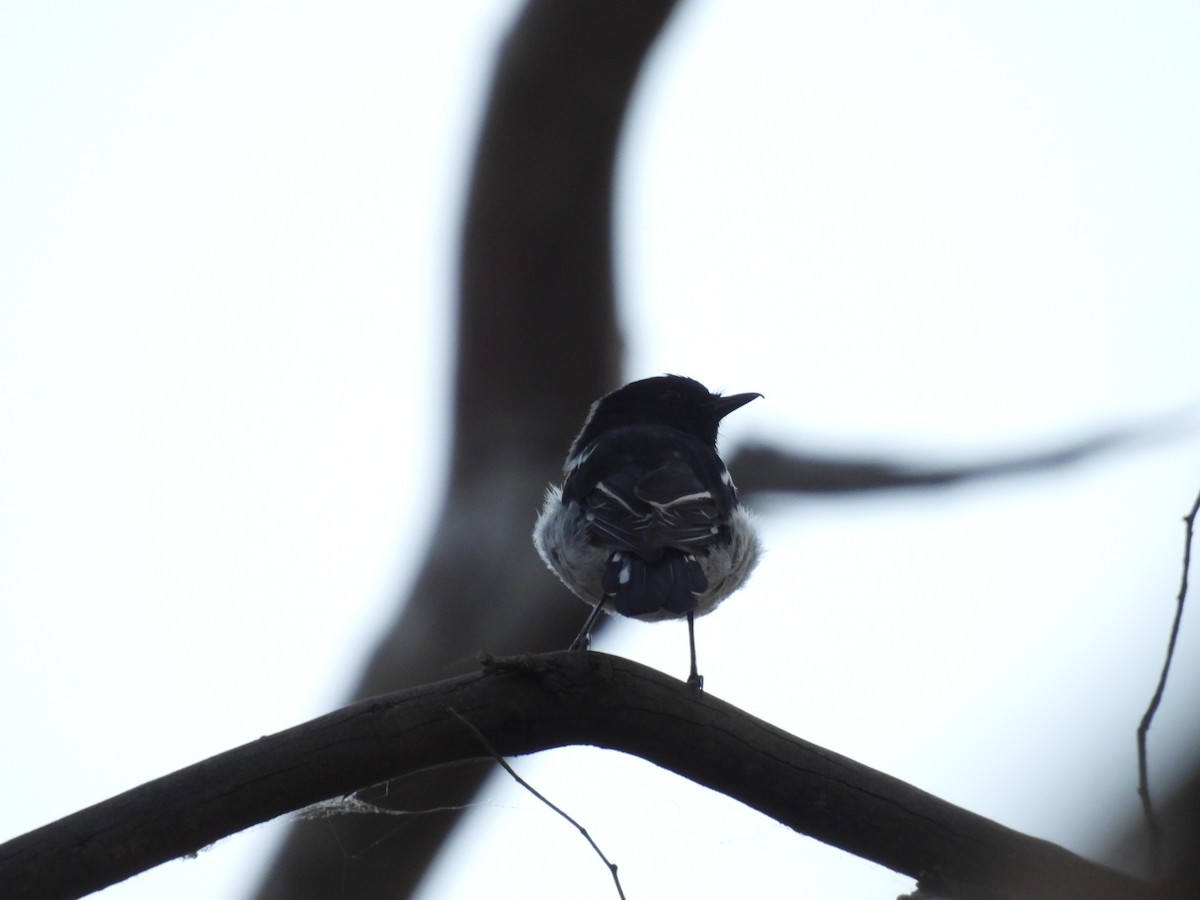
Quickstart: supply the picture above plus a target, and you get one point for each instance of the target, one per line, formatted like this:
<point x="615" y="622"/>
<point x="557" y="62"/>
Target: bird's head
<point x="671" y="400"/>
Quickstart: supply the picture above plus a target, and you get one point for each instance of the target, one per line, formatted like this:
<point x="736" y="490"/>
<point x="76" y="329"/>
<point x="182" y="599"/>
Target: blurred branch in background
<point x="537" y="341"/>
<point x="763" y="468"/>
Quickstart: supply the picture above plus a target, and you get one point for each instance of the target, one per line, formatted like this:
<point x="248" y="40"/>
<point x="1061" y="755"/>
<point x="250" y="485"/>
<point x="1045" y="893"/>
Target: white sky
<point x="934" y="231"/>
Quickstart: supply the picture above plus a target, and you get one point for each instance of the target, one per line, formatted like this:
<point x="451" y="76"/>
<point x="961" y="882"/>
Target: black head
<point x="672" y="400"/>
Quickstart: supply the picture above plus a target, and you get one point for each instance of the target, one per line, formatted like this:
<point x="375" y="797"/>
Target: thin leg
<point x="695" y="679"/>
<point x="584" y="639"/>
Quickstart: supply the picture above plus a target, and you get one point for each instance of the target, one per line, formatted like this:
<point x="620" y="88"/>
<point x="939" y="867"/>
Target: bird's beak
<point x="723" y="406"/>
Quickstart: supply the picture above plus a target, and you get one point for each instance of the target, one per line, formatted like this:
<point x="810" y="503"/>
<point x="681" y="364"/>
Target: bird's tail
<point x="672" y="582"/>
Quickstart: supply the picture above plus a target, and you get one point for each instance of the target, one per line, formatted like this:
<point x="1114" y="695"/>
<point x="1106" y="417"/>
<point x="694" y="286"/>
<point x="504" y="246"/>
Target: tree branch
<point x="765" y="468"/>
<point x="523" y="705"/>
<point x="1155" y="832"/>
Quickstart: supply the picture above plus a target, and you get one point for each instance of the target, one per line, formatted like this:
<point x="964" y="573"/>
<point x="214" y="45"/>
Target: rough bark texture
<point x="522" y="705"/>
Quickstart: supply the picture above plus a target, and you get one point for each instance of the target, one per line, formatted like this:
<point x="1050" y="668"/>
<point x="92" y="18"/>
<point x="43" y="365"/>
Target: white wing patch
<point x="679" y="501"/>
<point x="579" y="459"/>
<point x="613" y="495"/>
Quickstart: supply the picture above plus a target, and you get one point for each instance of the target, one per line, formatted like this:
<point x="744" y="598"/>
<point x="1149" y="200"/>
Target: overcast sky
<point x="933" y="231"/>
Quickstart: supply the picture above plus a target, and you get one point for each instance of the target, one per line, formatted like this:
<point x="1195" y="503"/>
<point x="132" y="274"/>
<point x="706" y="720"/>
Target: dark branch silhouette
<point x="526" y="704"/>
<point x="760" y="468"/>
<point x="1152" y="824"/>
<point x="503" y="763"/>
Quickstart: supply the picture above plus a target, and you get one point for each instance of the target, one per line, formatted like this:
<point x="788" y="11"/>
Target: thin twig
<point x="612" y="868"/>
<point x="1144" y="728"/>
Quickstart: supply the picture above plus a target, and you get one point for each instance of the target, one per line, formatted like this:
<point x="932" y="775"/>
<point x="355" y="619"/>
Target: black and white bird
<point x="647" y="521"/>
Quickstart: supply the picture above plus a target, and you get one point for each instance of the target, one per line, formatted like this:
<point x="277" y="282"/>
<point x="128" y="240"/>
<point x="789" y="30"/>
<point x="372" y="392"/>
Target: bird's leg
<point x="584" y="639"/>
<point x="695" y="679"/>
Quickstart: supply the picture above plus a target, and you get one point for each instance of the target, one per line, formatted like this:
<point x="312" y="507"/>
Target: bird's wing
<point x="647" y="510"/>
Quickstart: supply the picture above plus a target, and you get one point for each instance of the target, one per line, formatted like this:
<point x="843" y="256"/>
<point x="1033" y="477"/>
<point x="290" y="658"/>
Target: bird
<point x="647" y="522"/>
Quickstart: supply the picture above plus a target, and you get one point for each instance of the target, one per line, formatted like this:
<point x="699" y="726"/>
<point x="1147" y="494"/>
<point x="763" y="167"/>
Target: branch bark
<point x="526" y="704"/>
